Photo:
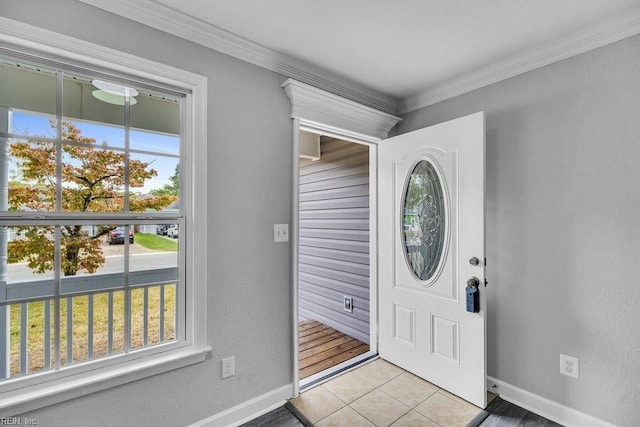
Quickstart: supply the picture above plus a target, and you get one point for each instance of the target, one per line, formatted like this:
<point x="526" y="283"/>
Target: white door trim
<point x="294" y="235"/>
<point x="315" y="110"/>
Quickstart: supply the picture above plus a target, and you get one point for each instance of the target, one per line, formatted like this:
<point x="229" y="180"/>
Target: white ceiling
<point x="406" y="51"/>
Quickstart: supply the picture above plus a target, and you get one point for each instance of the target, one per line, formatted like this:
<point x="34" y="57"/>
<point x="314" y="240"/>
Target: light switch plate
<point x="280" y="232"/>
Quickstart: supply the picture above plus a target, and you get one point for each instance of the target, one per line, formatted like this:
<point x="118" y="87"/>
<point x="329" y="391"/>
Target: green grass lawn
<point x="157" y="243"/>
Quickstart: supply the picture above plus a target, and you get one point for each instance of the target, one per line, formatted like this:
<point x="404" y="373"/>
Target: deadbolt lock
<point x="474" y="261"/>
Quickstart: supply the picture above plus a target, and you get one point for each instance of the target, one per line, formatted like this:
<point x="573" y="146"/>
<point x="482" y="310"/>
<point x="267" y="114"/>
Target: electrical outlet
<point x="228" y="367"/>
<point x="348" y="304"/>
<point x="569" y="366"/>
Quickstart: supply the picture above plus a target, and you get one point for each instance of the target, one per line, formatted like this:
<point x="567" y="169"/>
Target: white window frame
<point x="43" y="389"/>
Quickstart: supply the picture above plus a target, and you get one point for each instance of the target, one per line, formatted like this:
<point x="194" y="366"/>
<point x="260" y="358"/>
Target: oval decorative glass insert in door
<point x="424" y="221"/>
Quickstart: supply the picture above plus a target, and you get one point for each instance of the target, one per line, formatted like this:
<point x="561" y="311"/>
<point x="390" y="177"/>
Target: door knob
<point x="473" y="282"/>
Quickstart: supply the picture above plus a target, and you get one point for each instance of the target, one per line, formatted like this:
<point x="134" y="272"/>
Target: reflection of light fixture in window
<point x="113" y="93"/>
<point x="111" y="98"/>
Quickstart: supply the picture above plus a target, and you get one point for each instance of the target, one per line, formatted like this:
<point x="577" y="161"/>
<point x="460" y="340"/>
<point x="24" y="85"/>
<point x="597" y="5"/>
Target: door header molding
<point x="323" y="112"/>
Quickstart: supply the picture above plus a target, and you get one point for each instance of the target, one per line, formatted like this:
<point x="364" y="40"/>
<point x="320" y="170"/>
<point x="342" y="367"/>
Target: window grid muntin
<point x="30" y="138"/>
<point x="59" y="100"/>
<point x="127" y="155"/>
<point x="127" y="290"/>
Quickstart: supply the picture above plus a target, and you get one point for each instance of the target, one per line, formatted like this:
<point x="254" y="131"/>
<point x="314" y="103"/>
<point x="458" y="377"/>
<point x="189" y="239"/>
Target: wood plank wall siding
<point x="334" y="237"/>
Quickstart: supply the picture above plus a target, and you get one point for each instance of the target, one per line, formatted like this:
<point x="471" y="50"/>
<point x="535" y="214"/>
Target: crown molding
<point x="317" y="108"/>
<point x="579" y="42"/>
<point x="169" y="20"/>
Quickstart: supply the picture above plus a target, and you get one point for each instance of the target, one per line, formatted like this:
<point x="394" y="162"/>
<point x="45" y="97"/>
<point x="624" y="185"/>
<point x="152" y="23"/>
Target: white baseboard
<point x="542" y="406"/>
<point x="248" y="410"/>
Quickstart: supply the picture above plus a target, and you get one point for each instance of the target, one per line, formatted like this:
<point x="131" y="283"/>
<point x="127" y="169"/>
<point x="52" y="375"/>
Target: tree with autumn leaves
<point x="93" y="180"/>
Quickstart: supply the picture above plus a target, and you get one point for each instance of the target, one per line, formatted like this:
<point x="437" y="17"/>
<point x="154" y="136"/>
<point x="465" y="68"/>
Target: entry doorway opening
<point x="336" y="305"/>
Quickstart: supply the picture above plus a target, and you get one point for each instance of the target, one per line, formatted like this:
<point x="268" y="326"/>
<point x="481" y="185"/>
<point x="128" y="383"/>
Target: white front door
<point x="431" y="243"/>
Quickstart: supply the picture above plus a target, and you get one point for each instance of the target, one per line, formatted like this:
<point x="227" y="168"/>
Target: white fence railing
<point x="86" y="283"/>
<point x="27" y="292"/>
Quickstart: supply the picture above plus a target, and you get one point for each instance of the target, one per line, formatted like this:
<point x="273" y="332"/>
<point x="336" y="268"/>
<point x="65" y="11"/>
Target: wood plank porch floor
<point x="322" y="347"/>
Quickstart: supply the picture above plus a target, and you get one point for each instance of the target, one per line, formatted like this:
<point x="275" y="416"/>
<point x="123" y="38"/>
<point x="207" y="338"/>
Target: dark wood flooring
<point x="501" y="413"/>
<point x="280" y="417"/>
<point x="321" y="347"/>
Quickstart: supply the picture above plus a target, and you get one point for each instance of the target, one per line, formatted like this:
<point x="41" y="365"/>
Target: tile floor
<point x="382" y="394"/>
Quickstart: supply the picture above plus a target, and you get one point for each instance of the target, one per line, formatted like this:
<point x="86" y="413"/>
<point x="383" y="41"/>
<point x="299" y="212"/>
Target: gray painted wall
<point x="334" y="237"/>
<point x="563" y="228"/>
<point x="249" y="297"/>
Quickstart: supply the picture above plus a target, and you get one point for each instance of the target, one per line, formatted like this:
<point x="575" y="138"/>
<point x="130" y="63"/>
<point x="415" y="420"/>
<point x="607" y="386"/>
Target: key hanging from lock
<point x="473" y="295"/>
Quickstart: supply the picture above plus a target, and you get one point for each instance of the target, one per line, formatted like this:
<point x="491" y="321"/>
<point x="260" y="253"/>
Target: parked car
<point x="161" y="230"/>
<point x="116" y="236"/>
<point x="172" y="231"/>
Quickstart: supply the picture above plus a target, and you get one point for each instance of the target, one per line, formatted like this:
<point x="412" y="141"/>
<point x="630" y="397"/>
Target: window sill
<point x="27" y="399"/>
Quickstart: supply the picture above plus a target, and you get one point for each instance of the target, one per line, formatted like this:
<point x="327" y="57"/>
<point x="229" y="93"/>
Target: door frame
<point x="320" y="112"/>
<point x="373" y="258"/>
